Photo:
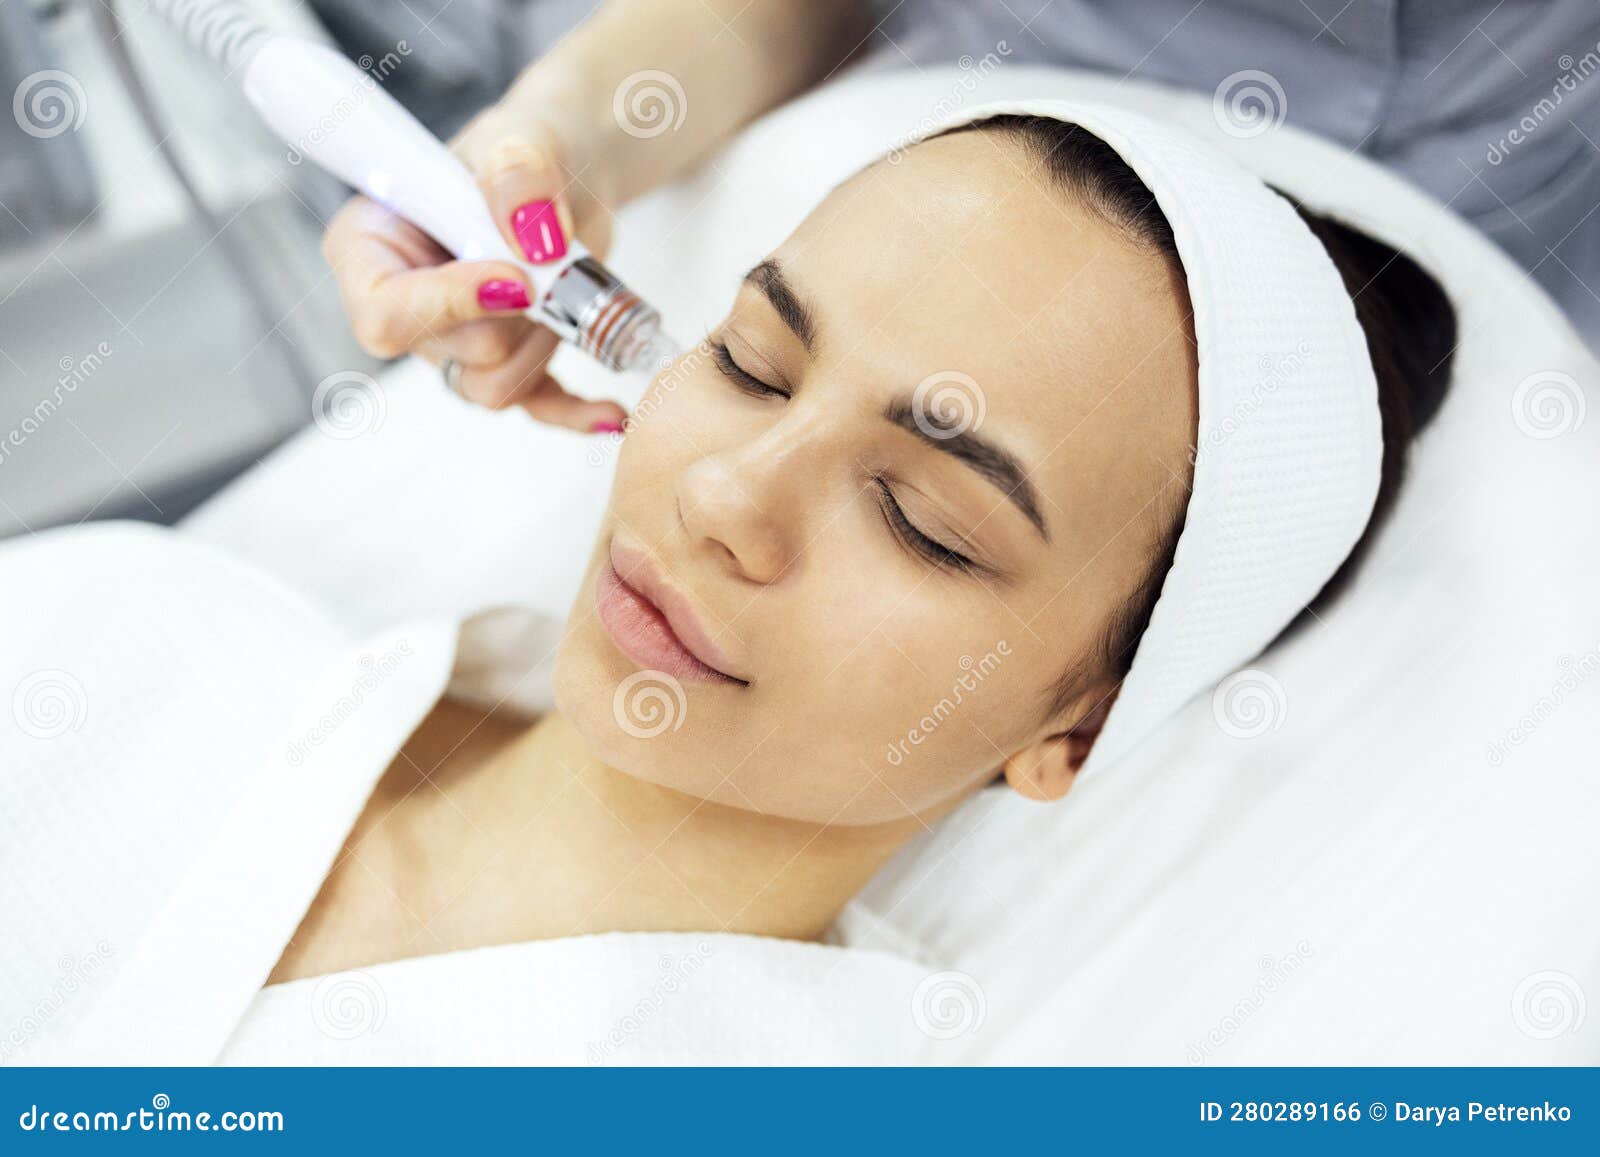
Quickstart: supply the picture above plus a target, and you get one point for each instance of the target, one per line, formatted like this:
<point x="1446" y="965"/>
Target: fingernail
<point x="538" y="231"/>
<point x="606" y="428"/>
<point x="503" y="293"/>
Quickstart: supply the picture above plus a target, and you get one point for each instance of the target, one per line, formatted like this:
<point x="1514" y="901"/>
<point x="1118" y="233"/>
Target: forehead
<point x="963" y="258"/>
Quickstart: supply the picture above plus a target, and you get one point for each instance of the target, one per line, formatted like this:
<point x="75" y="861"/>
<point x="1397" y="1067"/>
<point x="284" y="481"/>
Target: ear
<point x="1045" y="769"/>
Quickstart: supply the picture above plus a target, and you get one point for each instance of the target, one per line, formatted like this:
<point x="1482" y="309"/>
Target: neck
<point x="607" y="851"/>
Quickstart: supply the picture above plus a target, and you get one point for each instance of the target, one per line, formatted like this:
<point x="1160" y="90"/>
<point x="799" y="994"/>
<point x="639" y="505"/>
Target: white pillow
<point x="1399" y="868"/>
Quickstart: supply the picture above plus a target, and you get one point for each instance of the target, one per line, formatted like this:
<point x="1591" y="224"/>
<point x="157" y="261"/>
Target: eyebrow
<point x="998" y="466"/>
<point x="791" y="310"/>
<point x="995" y="464"/>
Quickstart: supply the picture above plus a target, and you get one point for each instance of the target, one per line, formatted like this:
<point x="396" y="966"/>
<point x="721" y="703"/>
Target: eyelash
<point x="930" y="551"/>
<point x="913" y="539"/>
<point x="740" y="377"/>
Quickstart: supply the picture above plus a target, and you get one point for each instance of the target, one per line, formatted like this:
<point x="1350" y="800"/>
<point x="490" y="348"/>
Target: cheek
<point x="905" y="692"/>
<point x="686" y="404"/>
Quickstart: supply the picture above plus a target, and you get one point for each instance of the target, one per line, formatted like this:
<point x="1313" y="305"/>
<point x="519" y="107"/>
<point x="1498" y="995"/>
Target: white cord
<point x="221" y="29"/>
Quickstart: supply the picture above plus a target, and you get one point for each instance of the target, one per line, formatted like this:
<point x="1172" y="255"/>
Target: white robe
<point x="191" y="743"/>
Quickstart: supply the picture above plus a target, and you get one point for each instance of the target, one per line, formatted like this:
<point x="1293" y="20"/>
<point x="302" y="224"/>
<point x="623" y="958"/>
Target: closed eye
<point x="922" y="545"/>
<point x="740" y="376"/>
<point x="925" y="547"/>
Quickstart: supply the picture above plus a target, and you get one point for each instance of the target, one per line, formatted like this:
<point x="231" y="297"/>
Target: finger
<point x="523" y="380"/>
<point x="395" y="311"/>
<point x="495" y="380"/>
<point x="364" y="245"/>
<point x="552" y="404"/>
<point x="520" y="174"/>
<point x="507" y="381"/>
<point x="485" y="344"/>
<point x="360" y="223"/>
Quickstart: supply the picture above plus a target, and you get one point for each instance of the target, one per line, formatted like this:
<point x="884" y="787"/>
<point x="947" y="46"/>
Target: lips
<point x="655" y="625"/>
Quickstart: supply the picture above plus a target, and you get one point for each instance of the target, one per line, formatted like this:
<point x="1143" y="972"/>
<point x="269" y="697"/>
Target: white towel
<point x="617" y="999"/>
<point x="187" y="747"/>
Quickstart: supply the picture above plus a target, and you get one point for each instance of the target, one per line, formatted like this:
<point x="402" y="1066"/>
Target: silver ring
<point x="450" y="370"/>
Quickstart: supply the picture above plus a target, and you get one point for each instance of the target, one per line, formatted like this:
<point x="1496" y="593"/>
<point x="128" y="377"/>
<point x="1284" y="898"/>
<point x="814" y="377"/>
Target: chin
<point x="583" y="686"/>
<point x="629" y="720"/>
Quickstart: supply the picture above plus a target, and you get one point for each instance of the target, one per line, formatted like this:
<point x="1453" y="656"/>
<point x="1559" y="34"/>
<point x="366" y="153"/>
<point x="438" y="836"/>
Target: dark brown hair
<point x="1409" y="323"/>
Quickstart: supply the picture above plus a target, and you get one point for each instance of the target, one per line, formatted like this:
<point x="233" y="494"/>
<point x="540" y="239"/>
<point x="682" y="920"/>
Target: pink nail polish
<point x="538" y="231"/>
<point x="503" y="293"/>
<point x="606" y="428"/>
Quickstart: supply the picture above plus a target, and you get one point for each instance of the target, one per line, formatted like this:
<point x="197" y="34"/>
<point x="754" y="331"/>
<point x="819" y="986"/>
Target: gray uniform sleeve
<point x="1493" y="107"/>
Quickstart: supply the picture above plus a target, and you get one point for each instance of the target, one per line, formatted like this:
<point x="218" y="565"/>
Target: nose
<point x="736" y="504"/>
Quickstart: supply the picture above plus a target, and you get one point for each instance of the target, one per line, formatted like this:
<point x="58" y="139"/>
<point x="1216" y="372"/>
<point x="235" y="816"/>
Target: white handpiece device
<point x="327" y="109"/>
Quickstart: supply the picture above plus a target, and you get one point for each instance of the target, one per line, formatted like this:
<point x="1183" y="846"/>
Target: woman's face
<point x="903" y="488"/>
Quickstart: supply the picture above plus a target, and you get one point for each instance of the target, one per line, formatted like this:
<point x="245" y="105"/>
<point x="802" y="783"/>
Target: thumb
<point x="522" y="178"/>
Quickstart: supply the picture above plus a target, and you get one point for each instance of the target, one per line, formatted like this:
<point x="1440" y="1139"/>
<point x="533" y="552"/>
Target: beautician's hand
<point x="633" y="96"/>
<point x="404" y="294"/>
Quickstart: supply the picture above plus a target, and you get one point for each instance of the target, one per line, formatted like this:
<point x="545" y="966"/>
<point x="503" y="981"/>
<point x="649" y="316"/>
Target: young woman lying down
<point x="1054" y="406"/>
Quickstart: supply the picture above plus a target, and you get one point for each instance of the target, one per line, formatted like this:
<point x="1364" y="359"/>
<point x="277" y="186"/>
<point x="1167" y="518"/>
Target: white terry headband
<point x="1289" y="444"/>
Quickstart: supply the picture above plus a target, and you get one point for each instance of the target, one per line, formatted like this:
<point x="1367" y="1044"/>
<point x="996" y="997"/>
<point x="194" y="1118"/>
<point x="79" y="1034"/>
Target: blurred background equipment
<point x="165" y="314"/>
